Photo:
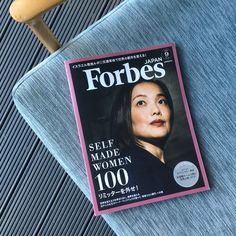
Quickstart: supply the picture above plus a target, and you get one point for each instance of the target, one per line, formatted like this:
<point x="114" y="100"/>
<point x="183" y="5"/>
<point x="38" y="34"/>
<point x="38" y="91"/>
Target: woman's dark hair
<point x="121" y="126"/>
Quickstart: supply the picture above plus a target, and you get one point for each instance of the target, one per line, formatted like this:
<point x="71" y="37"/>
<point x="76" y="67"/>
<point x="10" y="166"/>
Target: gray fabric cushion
<point x="205" y="34"/>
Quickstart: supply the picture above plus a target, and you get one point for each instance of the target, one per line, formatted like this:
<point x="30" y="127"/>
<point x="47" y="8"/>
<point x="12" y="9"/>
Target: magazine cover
<point x="135" y="128"/>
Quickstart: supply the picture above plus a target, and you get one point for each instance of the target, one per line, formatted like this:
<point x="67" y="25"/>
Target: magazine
<point x="135" y="128"/>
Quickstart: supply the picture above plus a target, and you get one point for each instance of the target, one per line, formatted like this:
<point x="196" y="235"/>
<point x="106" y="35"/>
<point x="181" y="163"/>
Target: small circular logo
<point x="186" y="174"/>
<point x="166" y="54"/>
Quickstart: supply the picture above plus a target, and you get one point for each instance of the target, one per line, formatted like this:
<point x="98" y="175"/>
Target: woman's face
<point x="150" y="112"/>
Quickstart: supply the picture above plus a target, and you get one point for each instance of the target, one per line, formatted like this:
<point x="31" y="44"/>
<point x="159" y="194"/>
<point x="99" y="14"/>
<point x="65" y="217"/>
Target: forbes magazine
<point x="135" y="128"/>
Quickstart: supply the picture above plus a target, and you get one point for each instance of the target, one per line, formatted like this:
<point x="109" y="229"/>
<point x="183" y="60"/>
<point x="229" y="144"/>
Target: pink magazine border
<point x="82" y="140"/>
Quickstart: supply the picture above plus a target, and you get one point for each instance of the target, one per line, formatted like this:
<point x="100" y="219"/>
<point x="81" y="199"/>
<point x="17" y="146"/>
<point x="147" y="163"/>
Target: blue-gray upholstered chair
<point x="205" y="34"/>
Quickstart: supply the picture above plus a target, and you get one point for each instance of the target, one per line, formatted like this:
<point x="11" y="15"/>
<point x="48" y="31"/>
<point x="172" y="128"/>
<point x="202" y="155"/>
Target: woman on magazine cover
<point x="142" y="121"/>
